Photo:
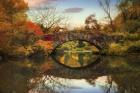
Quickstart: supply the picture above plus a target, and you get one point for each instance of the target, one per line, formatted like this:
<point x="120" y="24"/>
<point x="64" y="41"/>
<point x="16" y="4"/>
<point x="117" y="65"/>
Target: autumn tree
<point x="106" y="6"/>
<point x="128" y="18"/>
<point x="129" y="9"/>
<point x="11" y="9"/>
<point x="27" y="35"/>
<point x="12" y="18"/>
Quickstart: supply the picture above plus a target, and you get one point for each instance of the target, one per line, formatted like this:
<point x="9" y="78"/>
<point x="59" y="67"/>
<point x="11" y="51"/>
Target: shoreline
<point x="6" y="57"/>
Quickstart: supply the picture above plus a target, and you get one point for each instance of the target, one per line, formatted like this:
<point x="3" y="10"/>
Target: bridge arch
<point x="96" y="39"/>
<point x="61" y="43"/>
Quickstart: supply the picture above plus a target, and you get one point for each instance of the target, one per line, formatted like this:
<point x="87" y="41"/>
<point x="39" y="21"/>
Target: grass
<point x="129" y="44"/>
<point x="125" y="48"/>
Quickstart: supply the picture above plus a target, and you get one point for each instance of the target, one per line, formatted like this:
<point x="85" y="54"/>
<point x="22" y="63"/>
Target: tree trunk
<point x="111" y="23"/>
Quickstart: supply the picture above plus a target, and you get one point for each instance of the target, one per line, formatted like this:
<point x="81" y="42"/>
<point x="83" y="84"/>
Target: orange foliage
<point x="47" y="44"/>
<point x="21" y="4"/>
<point x="34" y="27"/>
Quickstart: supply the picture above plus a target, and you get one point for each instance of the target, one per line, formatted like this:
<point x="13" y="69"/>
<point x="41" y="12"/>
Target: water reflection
<point x="112" y="75"/>
<point x="76" y="54"/>
<point x="102" y="84"/>
<point x="76" y="59"/>
<point x="51" y="84"/>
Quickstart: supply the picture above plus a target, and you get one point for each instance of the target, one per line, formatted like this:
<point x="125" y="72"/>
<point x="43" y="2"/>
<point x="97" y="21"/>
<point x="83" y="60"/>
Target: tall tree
<point x="122" y="6"/>
<point x="10" y="8"/>
<point x="12" y="16"/>
<point x="129" y="9"/>
<point x="106" y="6"/>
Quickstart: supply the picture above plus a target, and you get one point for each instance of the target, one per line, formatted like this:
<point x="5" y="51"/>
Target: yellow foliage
<point x="117" y="49"/>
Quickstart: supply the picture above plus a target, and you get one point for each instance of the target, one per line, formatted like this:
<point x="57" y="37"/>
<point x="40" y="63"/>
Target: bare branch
<point x="49" y="18"/>
<point x="106" y="6"/>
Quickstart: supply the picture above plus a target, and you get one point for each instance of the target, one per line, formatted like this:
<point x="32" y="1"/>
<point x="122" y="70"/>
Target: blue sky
<point x="76" y="10"/>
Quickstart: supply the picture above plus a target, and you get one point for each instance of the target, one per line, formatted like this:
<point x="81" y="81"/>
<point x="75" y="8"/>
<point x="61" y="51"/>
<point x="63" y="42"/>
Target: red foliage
<point x="34" y="27"/>
<point x="49" y="37"/>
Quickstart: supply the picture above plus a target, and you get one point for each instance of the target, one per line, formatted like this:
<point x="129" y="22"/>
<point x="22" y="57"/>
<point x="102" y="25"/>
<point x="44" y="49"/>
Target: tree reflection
<point x="110" y="87"/>
<point x="111" y="75"/>
<point x="128" y="82"/>
<point x="14" y="78"/>
<point x="81" y="58"/>
<point x="76" y="59"/>
<point x="48" y="84"/>
<point x="120" y="83"/>
<point x="66" y="57"/>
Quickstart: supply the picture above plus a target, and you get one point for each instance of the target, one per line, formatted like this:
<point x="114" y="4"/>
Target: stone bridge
<point x="99" y="40"/>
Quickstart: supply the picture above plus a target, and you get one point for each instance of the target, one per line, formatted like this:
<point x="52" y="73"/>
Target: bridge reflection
<point x="109" y="76"/>
<point x="77" y="59"/>
<point x="28" y="76"/>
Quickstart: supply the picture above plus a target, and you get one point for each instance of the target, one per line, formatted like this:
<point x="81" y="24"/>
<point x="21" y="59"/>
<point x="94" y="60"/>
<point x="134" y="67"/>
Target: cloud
<point x="73" y="10"/>
<point x="38" y="3"/>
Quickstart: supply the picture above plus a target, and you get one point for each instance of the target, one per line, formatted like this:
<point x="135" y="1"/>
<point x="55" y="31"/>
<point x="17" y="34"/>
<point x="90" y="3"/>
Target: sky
<point x="75" y="10"/>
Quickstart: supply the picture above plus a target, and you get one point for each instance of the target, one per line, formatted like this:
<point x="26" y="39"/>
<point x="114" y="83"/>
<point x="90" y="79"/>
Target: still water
<point x="45" y="75"/>
<point x="76" y="59"/>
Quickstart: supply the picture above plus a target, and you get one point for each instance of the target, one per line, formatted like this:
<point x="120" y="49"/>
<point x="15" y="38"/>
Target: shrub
<point x="117" y="49"/>
<point x="38" y="51"/>
<point x="132" y="37"/>
<point x="131" y="26"/>
<point x="20" y="51"/>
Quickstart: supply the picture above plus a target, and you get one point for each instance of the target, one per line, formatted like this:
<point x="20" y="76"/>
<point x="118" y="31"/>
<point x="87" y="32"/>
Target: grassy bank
<point x="128" y="45"/>
<point x="125" y="48"/>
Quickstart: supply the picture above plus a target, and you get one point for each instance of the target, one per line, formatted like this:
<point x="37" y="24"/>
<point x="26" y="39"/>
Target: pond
<point x="45" y="75"/>
<point x="76" y="59"/>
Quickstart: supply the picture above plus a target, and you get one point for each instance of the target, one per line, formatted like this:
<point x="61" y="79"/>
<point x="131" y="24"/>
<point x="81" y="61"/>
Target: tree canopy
<point x="12" y="16"/>
<point x="11" y="9"/>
